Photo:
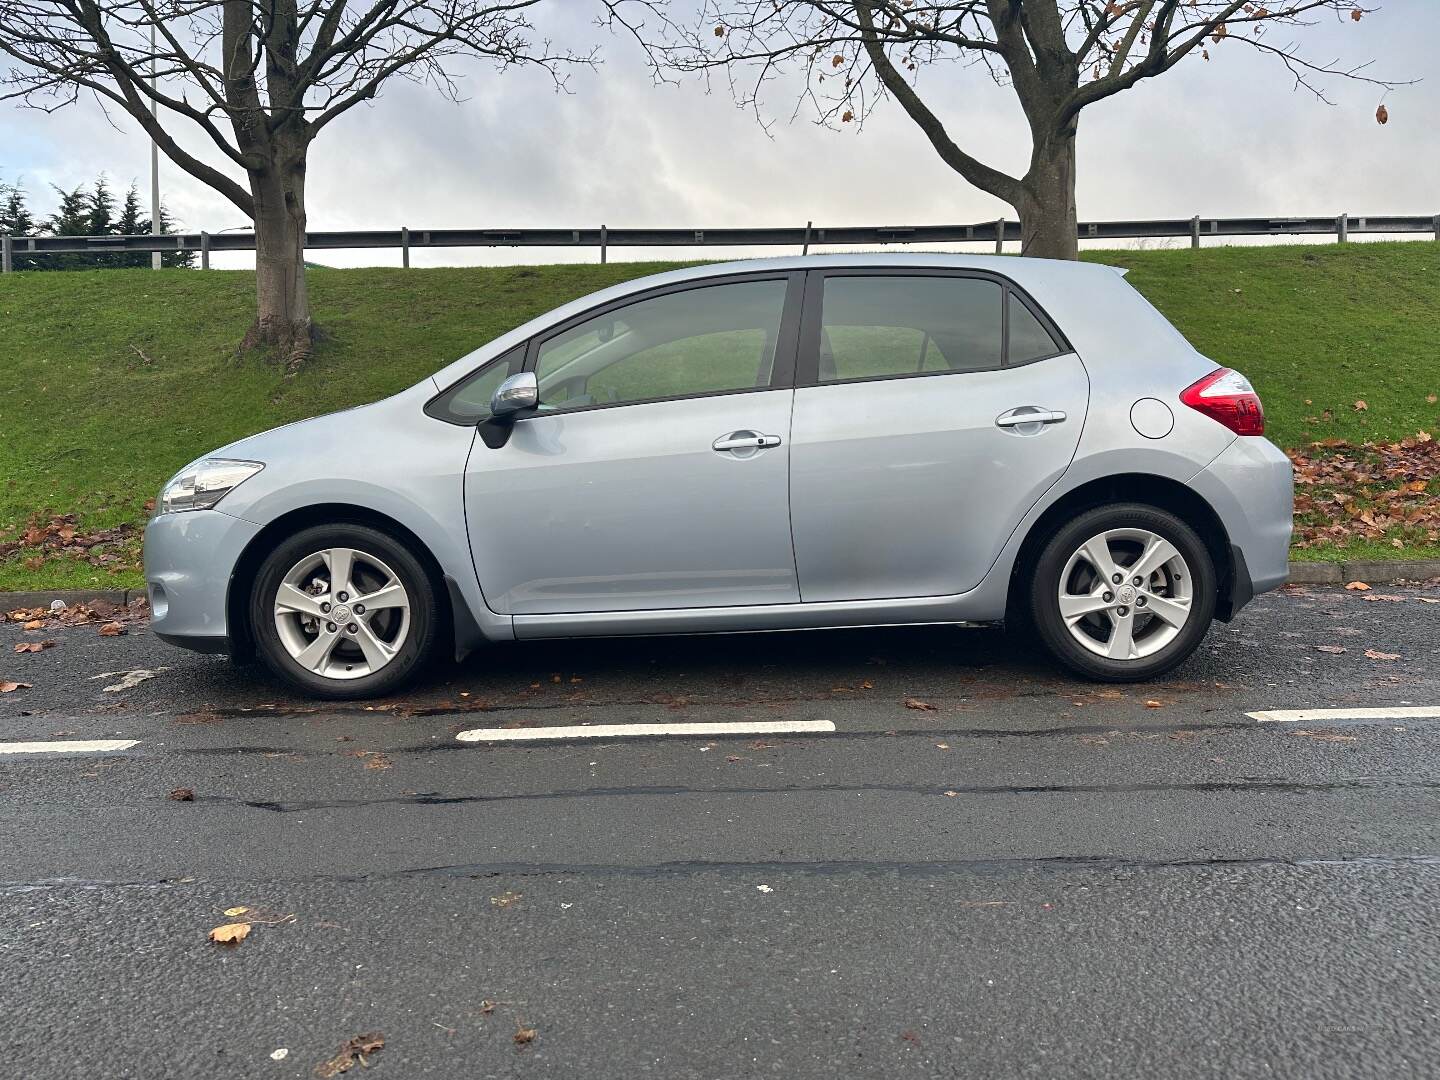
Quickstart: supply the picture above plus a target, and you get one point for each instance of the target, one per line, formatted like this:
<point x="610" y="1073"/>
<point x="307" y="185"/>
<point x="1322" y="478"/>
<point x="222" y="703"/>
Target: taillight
<point x="1228" y="397"/>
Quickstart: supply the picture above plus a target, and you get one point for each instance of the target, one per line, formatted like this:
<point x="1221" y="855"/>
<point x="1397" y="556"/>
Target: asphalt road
<point x="1032" y="877"/>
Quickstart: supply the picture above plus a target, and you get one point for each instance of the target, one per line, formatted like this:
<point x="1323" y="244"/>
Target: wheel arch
<point x="1158" y="491"/>
<point x="242" y="577"/>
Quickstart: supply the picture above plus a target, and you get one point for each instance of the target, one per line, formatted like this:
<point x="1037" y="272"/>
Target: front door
<point x="655" y="473"/>
<point x="912" y="456"/>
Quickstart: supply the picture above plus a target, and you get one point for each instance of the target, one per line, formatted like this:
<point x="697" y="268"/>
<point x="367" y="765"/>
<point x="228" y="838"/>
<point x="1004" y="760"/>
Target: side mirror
<point x="519" y="391"/>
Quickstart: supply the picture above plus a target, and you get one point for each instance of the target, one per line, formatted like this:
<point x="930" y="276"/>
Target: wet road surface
<point x="986" y="868"/>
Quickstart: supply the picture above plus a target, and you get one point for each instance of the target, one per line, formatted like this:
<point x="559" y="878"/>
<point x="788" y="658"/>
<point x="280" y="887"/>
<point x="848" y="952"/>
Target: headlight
<point x="203" y="484"/>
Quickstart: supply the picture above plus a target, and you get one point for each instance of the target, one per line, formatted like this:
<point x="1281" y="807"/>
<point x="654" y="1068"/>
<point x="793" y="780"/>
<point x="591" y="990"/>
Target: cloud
<point x="1224" y="137"/>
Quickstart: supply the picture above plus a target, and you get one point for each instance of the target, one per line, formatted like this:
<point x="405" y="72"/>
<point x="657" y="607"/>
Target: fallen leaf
<point x="1360" y="406"/>
<point x="34" y="646"/>
<point x="1152" y="704"/>
<point x="185" y="794"/>
<point x="506" y="898"/>
<point x="1384" y="598"/>
<point x="9" y="687"/>
<point x="233" y="911"/>
<point x="942" y="746"/>
<point x="34" y="624"/>
<point x="916" y="703"/>
<point x="523" y="1034"/>
<point x="129" y="679"/>
<point x="1375" y="654"/>
<point x="231" y="934"/>
<point x="1427" y="600"/>
<point x="111" y="629"/>
<point x="356" y="1051"/>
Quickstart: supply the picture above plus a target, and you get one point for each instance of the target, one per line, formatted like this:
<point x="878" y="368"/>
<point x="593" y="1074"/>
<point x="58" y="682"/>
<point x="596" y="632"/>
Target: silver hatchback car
<point x="782" y="444"/>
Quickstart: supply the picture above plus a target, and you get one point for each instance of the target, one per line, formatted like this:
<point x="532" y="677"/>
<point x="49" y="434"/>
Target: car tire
<point x="1116" y="631"/>
<point x="367" y="651"/>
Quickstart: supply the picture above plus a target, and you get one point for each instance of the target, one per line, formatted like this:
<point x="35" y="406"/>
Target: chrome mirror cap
<point x="519" y="391"/>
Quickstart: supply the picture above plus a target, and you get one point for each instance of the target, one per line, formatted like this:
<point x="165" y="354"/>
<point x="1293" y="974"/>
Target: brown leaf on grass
<point x="1337" y="649"/>
<point x="185" y="794"/>
<point x="34" y="646"/>
<point x="355" y="1052"/>
<point x="523" y="1034"/>
<point x="916" y="703"/>
<point x="9" y="686"/>
<point x="1360" y="406"/>
<point x="1358" y="586"/>
<point x="1376" y="654"/>
<point x="111" y="629"/>
<point x="230" y="934"/>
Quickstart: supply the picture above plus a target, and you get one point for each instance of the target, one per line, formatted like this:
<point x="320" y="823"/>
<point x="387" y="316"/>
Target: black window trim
<point x="782" y="372"/>
<point x="807" y="371"/>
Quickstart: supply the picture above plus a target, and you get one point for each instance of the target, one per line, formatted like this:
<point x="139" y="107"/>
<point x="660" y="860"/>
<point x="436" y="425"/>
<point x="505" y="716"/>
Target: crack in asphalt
<point x="817" y="868"/>
<point x="1249" y="786"/>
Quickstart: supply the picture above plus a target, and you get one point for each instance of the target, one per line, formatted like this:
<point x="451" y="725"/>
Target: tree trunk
<point x="1048" y="223"/>
<point x="282" y="322"/>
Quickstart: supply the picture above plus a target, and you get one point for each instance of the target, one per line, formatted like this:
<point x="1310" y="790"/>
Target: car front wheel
<point x="343" y="611"/>
<point x="1123" y="593"/>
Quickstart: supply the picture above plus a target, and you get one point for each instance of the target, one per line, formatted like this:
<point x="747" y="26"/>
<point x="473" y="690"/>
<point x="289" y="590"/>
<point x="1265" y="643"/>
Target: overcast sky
<point x="1227" y="137"/>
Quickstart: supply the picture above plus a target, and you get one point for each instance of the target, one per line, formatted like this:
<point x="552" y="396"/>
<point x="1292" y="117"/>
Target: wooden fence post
<point x="7" y="259"/>
<point x="204" y="251"/>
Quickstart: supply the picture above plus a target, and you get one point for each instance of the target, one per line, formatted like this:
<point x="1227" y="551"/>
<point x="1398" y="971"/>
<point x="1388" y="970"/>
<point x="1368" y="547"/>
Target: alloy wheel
<point x="1125" y="594"/>
<point x="342" y="613"/>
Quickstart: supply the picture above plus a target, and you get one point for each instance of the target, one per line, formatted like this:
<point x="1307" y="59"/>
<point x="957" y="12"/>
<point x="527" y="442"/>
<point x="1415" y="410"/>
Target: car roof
<point x="1042" y="278"/>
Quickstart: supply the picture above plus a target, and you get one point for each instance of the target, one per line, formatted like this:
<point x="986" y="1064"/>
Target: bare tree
<point x="1058" y="56"/>
<point x="253" y="82"/>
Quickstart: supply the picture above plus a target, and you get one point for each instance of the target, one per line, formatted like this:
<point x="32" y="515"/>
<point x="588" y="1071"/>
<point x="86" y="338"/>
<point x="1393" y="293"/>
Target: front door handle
<point x="745" y="440"/>
<point x="1028" y="414"/>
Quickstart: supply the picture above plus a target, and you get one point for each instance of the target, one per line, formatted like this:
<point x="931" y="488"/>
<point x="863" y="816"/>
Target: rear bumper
<point x="189" y="560"/>
<point x="1251" y="487"/>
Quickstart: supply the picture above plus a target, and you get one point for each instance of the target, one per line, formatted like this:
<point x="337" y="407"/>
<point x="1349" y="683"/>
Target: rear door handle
<point x="1029" y="414"/>
<point x="745" y="440"/>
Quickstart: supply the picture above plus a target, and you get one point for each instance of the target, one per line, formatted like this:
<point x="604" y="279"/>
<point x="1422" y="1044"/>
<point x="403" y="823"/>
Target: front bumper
<point x="190" y="558"/>
<point x="1251" y="486"/>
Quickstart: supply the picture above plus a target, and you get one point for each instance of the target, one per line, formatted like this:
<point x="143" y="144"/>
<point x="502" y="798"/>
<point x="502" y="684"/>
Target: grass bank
<point x="113" y="379"/>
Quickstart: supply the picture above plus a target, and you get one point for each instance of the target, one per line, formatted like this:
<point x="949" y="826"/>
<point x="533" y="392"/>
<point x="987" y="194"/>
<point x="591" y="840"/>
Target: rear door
<point x="932" y="410"/>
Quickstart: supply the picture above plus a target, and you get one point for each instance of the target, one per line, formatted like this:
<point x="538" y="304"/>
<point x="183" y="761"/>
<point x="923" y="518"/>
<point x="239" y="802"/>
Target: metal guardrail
<point x="810" y="235"/>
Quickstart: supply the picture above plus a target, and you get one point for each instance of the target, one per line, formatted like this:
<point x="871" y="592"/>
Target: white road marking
<point x="69" y="746"/>
<point x="1291" y="716"/>
<point x="609" y="731"/>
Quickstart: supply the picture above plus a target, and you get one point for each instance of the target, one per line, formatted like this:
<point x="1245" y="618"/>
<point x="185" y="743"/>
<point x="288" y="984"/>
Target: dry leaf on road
<point x="506" y="898"/>
<point x="185" y="794"/>
<point x="1358" y="586"/>
<point x="34" y="646"/>
<point x="129" y="679"/>
<point x="230" y="934"/>
<point x="523" y="1034"/>
<point x="111" y="629"/>
<point x="916" y="703"/>
<point x="8" y="686"/>
<point x="1376" y="654"/>
<point x="1385" y="598"/>
<point x="356" y="1051"/>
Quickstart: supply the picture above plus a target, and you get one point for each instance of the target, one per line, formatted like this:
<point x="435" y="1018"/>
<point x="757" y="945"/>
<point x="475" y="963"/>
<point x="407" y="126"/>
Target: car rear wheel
<point x="343" y="611"/>
<point x="1123" y="593"/>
